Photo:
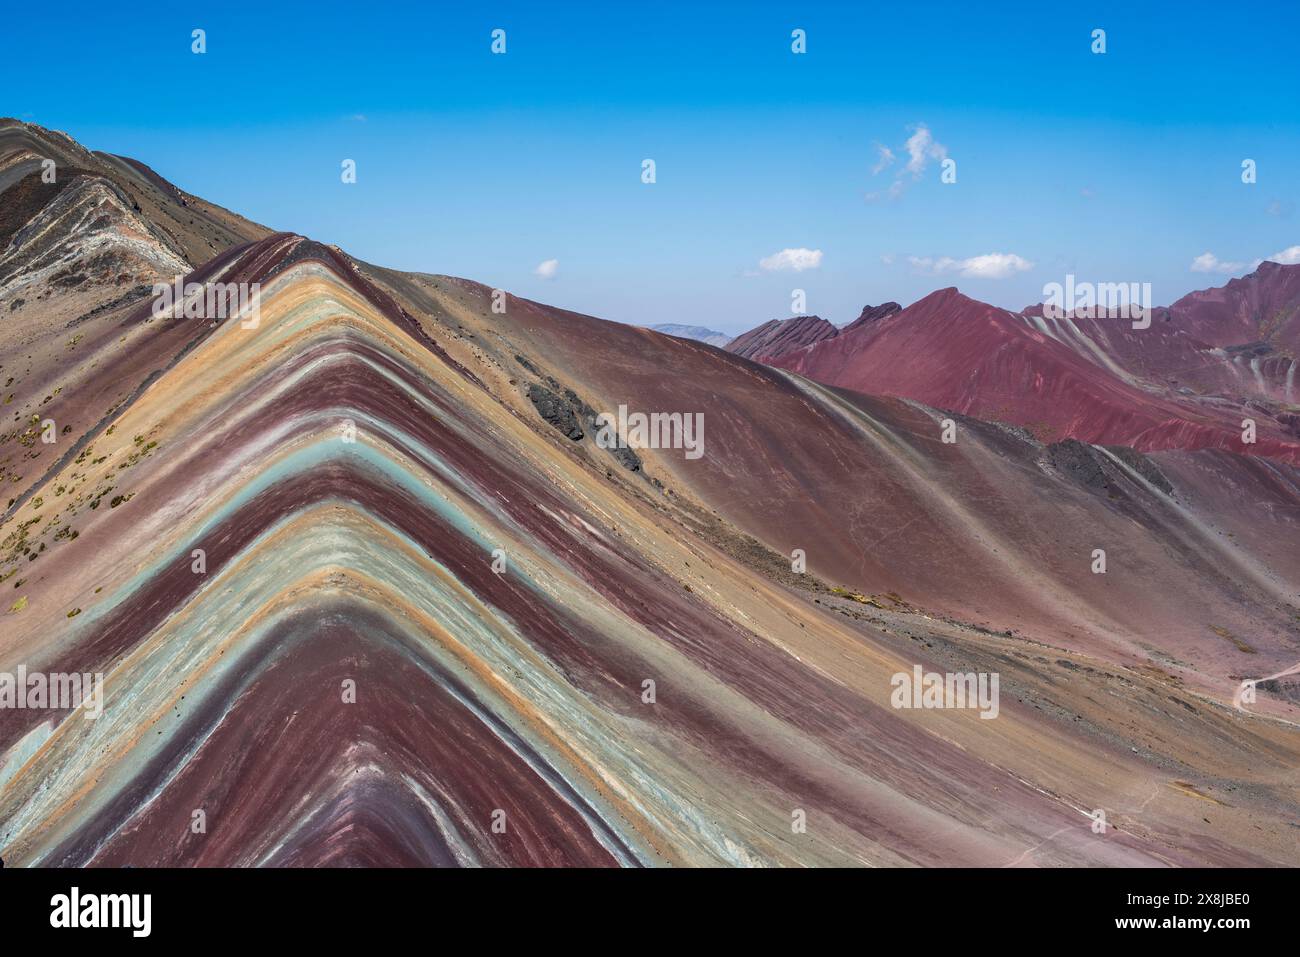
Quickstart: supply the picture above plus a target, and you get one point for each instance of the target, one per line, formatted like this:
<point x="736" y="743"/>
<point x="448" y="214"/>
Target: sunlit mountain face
<point x="356" y="566"/>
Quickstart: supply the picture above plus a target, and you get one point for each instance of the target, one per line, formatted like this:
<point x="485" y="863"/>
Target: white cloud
<point x="921" y="148"/>
<point x="547" y="269"/>
<point x="886" y="158"/>
<point x="796" y="259"/>
<point x="988" y="266"/>
<point x="995" y="266"/>
<point x="1208" y="262"/>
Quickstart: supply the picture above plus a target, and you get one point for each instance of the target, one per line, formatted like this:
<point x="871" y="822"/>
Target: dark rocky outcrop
<point x="871" y="314"/>
<point x="1089" y="465"/>
<point x="1143" y="466"/>
<point x="571" y="414"/>
<point x="555" y="411"/>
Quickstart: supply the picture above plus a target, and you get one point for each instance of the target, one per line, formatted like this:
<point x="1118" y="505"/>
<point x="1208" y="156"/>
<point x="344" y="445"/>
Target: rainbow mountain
<point x="365" y="590"/>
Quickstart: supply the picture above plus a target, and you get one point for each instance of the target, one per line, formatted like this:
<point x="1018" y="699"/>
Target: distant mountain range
<point x="699" y="333"/>
<point x="1206" y="364"/>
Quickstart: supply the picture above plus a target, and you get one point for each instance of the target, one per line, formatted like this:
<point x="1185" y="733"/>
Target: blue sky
<point x="1120" y="167"/>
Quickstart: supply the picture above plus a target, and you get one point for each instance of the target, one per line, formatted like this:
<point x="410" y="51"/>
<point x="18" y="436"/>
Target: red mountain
<point x="1240" y="340"/>
<point x="1098" y="381"/>
<point x="778" y="337"/>
<point x="871" y="314"/>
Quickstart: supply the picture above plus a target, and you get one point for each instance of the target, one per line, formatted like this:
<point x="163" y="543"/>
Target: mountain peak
<point x="779" y="337"/>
